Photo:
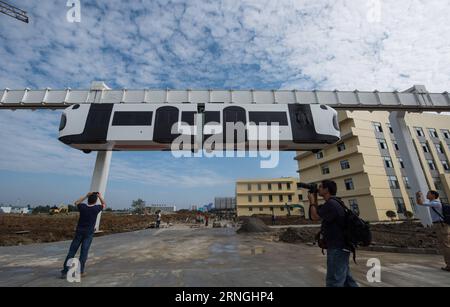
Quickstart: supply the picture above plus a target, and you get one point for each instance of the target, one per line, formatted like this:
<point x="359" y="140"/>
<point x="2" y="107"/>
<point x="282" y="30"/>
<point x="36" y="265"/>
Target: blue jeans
<point x="338" y="269"/>
<point x="83" y="238"/>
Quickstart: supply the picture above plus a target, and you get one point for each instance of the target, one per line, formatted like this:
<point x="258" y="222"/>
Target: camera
<point x="311" y="187"/>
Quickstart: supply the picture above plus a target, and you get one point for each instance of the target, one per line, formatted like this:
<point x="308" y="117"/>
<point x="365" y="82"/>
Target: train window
<point x="212" y="116"/>
<point x="63" y="122"/>
<point x="188" y="118"/>
<point x="268" y="118"/>
<point x="132" y="118"/>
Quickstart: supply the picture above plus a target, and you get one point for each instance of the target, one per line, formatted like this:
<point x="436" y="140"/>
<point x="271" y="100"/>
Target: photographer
<point x="332" y="215"/>
<point x="439" y="226"/>
<point x="85" y="229"/>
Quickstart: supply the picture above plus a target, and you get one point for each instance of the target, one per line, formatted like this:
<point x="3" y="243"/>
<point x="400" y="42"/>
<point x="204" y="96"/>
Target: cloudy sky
<point x="320" y="44"/>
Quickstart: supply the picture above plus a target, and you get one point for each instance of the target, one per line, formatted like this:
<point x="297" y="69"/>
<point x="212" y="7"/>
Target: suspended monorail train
<point x="128" y="127"/>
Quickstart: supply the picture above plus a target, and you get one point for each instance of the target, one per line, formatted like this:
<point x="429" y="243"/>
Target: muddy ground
<point x="27" y="229"/>
<point x="407" y="234"/>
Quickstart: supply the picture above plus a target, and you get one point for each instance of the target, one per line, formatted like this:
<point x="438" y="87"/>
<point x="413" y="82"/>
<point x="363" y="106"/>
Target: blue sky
<point x="343" y="44"/>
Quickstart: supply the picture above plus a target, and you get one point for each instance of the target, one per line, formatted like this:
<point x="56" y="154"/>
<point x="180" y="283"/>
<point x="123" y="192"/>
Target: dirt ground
<point x="27" y="229"/>
<point x="408" y="234"/>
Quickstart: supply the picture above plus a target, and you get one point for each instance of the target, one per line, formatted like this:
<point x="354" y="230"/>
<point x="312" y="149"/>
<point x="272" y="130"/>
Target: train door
<point x="165" y="119"/>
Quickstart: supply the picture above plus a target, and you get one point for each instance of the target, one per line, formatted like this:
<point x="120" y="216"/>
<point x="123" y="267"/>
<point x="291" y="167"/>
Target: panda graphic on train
<point x="151" y="127"/>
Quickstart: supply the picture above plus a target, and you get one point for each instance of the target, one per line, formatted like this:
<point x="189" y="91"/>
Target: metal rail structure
<point x="416" y="99"/>
<point x="13" y="11"/>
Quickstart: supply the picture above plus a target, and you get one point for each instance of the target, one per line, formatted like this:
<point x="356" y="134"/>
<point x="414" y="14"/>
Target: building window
<point x="400" y="205"/>
<point x="281" y="198"/>
<point x="402" y="164"/>
<point x="388" y="162"/>
<point x="249" y="187"/>
<point x="289" y="198"/>
<point x="349" y="184"/>
<point x="260" y="198"/>
<point x="261" y="209"/>
<point x="439" y="148"/>
<point x="288" y="186"/>
<point x="433" y="133"/>
<point x="419" y="131"/>
<point x="259" y="187"/>
<point x="270" y="198"/>
<point x="446" y="133"/>
<point x="445" y="165"/>
<point x="325" y="169"/>
<point x="341" y="147"/>
<point x="396" y="145"/>
<point x="390" y="128"/>
<point x="250" y="209"/>
<point x="393" y="182"/>
<point x="425" y="147"/>
<point x="269" y="186"/>
<point x="300" y="197"/>
<point x="319" y="155"/>
<point x="406" y="181"/>
<point x="249" y="198"/>
<point x="345" y="164"/>
<point x="378" y="127"/>
<point x="280" y="186"/>
<point x="383" y="144"/>
<point x="431" y="165"/>
<point x="354" y="206"/>
<point x="438" y="184"/>
<point x="271" y="209"/>
<point x="282" y="209"/>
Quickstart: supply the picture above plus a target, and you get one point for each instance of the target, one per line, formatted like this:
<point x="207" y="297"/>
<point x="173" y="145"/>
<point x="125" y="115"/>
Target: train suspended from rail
<point x="151" y="127"/>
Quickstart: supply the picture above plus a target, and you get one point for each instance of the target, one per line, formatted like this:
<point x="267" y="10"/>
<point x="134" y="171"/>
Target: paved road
<point x="203" y="257"/>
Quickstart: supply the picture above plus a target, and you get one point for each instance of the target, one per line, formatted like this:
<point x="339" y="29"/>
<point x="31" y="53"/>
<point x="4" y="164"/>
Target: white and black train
<point x="126" y="127"/>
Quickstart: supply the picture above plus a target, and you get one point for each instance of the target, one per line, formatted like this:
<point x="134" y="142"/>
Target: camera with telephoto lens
<point x="311" y="187"/>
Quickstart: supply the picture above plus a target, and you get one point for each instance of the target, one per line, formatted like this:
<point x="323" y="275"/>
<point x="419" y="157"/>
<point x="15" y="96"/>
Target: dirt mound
<point x="301" y="235"/>
<point x="253" y="225"/>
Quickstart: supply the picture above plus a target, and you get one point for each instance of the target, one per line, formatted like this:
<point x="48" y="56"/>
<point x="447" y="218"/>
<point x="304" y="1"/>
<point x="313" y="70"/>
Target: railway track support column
<point x="413" y="166"/>
<point x="103" y="161"/>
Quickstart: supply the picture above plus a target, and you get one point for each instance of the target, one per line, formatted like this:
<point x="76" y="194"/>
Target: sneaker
<point x="63" y="275"/>
<point x="446" y="269"/>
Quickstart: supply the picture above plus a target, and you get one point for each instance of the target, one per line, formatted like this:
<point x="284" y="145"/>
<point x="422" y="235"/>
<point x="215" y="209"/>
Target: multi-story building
<point x="225" y="203"/>
<point x="368" y="167"/>
<point x="266" y="196"/>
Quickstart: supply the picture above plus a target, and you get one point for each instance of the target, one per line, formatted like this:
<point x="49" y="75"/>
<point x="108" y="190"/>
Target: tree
<point x="391" y="214"/>
<point x="138" y="206"/>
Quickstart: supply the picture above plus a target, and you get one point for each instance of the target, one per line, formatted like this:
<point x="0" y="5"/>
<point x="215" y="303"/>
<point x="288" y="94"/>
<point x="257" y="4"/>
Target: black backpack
<point x="356" y="230"/>
<point x="445" y="216"/>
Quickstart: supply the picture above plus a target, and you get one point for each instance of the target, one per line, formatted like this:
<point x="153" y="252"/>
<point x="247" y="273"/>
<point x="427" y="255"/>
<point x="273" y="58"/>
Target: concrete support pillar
<point x="100" y="177"/>
<point x="411" y="160"/>
<point x="103" y="161"/>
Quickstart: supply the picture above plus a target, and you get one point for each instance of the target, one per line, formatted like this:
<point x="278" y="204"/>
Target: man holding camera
<point x="85" y="229"/>
<point x="439" y="226"/>
<point x="332" y="215"/>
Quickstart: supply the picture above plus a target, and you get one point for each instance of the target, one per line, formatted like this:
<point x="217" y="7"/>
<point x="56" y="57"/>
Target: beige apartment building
<point x="267" y="196"/>
<point x="368" y="167"/>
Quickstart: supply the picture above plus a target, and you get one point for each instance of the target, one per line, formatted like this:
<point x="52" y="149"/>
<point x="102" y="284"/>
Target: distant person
<point x="158" y="218"/>
<point x="273" y="219"/>
<point x="332" y="215"/>
<point x="442" y="229"/>
<point x="206" y="220"/>
<point x="85" y="229"/>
